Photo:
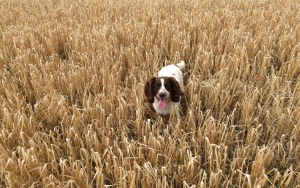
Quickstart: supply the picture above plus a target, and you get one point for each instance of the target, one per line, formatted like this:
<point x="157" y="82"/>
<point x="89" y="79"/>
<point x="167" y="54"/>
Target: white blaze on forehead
<point x="162" y="88"/>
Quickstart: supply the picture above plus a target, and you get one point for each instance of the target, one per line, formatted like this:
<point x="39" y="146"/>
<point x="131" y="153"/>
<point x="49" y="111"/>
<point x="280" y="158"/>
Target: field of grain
<point x="73" y="112"/>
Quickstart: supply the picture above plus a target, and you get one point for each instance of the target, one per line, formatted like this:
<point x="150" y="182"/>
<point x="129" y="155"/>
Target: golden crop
<point x="73" y="112"/>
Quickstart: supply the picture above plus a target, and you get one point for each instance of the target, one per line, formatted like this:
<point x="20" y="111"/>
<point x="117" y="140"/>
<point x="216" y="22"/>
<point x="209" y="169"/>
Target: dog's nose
<point x="162" y="95"/>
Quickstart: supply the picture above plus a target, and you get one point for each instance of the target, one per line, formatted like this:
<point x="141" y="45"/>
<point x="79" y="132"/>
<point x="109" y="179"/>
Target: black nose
<point x="162" y="95"/>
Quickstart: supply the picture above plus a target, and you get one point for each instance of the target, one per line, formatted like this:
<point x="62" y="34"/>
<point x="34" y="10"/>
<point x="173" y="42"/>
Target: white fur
<point x="173" y="71"/>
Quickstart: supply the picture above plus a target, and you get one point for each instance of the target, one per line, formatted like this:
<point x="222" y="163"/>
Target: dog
<point x="165" y="90"/>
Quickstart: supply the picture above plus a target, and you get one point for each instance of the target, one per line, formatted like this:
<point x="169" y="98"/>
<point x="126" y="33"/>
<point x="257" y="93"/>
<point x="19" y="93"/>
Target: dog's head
<point x="164" y="89"/>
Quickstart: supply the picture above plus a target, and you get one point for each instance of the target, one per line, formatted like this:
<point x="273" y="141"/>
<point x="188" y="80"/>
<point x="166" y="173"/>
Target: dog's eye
<point x="167" y="86"/>
<point x="157" y="85"/>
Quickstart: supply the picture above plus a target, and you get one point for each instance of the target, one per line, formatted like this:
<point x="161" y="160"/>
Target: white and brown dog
<point x="165" y="90"/>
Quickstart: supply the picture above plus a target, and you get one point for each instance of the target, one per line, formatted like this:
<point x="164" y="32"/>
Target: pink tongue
<point x="162" y="103"/>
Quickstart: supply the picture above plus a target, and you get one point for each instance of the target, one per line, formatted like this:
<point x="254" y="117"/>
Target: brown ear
<point x="176" y="91"/>
<point x="149" y="90"/>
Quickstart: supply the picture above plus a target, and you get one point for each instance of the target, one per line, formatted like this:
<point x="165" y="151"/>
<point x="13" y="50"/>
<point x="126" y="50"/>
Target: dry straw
<point x="72" y="107"/>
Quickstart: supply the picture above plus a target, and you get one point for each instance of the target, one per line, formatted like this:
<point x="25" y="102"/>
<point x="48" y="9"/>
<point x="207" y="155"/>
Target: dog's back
<point x="173" y="71"/>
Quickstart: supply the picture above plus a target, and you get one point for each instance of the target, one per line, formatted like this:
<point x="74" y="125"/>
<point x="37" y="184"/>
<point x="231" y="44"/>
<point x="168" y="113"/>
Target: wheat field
<point x="73" y="111"/>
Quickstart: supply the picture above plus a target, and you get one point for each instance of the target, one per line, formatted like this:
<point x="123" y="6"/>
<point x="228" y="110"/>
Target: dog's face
<point x="164" y="89"/>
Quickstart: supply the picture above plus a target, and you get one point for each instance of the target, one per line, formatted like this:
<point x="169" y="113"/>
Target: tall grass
<point x="72" y="107"/>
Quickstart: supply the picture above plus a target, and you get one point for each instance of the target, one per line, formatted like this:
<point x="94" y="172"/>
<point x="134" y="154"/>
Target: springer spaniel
<point x="164" y="91"/>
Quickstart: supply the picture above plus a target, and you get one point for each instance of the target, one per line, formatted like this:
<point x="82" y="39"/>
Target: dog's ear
<point x="149" y="90"/>
<point x="176" y="91"/>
